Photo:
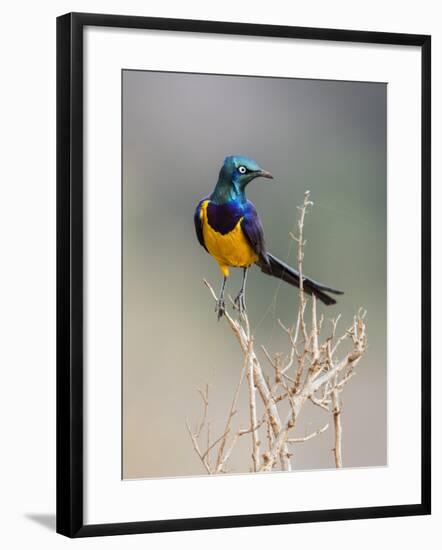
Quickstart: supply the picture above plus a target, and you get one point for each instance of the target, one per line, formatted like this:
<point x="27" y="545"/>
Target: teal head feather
<point x="235" y="174"/>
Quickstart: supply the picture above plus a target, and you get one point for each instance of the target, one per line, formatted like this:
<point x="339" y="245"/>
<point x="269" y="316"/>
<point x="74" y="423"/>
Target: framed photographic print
<point x="243" y="274"/>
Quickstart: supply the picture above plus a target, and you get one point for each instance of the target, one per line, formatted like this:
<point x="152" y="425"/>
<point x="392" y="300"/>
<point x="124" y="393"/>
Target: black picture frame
<point x="70" y="273"/>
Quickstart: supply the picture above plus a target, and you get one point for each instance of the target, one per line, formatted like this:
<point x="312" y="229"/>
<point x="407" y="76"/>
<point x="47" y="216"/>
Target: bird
<point x="229" y="228"/>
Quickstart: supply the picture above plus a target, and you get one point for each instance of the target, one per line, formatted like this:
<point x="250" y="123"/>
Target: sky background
<point x="325" y="136"/>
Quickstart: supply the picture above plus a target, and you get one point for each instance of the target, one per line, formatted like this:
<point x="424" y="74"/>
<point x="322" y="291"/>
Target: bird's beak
<point x="264" y="174"/>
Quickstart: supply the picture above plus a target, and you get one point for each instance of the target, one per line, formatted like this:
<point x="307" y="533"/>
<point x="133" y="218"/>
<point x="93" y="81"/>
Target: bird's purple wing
<point x="253" y="231"/>
<point x="198" y="223"/>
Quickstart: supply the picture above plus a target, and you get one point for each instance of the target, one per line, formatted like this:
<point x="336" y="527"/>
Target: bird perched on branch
<point x="228" y="227"/>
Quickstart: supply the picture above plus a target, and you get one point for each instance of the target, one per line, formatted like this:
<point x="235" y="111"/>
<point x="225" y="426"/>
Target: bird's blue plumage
<point x="228" y="227"/>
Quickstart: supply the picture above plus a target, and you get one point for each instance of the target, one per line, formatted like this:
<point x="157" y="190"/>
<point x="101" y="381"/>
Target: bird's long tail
<point x="277" y="268"/>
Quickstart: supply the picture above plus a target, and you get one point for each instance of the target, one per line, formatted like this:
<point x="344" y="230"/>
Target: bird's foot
<point x="240" y="303"/>
<point x="220" y="308"/>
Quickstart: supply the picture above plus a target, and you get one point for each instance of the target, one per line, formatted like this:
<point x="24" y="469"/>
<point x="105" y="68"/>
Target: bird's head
<point x="236" y="173"/>
<point x="242" y="170"/>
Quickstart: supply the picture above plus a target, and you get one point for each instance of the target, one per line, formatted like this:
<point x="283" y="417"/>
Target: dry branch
<point x="309" y="371"/>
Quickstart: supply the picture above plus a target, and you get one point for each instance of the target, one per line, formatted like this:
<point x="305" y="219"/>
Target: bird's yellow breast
<point x="229" y="250"/>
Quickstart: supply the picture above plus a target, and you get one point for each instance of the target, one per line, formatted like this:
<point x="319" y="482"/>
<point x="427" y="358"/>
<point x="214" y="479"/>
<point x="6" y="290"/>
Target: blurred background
<point x="325" y="136"/>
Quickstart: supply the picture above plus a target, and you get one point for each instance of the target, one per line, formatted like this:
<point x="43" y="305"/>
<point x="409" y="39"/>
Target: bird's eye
<point x="242" y="169"/>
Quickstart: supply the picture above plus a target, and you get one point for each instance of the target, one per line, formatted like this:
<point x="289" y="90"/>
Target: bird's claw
<point x="220" y="308"/>
<point x="240" y="303"/>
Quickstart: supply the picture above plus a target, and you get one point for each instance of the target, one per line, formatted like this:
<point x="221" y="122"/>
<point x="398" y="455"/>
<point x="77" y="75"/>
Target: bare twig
<point x="197" y="449"/>
<point x="338" y="428"/>
<point x="252" y="406"/>
<point x="308" y="437"/>
<point x="205" y="397"/>
<point x="300" y="240"/>
<point x="232" y="412"/>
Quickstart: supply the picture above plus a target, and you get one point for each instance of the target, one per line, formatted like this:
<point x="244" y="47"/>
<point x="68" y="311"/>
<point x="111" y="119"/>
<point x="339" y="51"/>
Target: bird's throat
<point x="225" y="192"/>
